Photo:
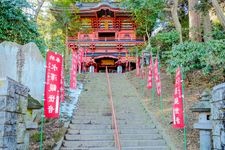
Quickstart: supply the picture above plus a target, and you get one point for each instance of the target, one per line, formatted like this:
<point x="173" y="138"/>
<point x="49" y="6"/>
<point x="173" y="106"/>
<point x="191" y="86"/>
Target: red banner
<point x="150" y="75"/>
<point x="62" y="95"/>
<point x="137" y="66"/>
<point x="178" y="115"/>
<point x="157" y="77"/>
<point x="52" y="85"/>
<point x="73" y="71"/>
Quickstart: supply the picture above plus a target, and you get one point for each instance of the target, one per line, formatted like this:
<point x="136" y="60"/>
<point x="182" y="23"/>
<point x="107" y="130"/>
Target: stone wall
<point x="13" y="109"/>
<point x="218" y="117"/>
<point x="25" y="64"/>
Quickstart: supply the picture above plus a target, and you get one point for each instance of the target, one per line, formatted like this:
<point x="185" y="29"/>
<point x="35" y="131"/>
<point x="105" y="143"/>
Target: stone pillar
<point x="91" y="69"/>
<point x="119" y="69"/>
<point x="13" y="107"/>
<point x="218" y="116"/>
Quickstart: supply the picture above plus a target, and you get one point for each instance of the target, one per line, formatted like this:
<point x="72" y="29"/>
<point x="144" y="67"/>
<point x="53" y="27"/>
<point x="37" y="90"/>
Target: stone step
<point x="138" y="131"/>
<point x="92" y="114"/>
<point x="136" y="143"/>
<point x="102" y="137"/>
<point x="90" y="132"/>
<point x="92" y="121"/>
<point x="93" y="105"/>
<point x="81" y="137"/>
<point x="140" y="136"/>
<point x="110" y="131"/>
<point x="96" y="113"/>
<point x="98" y="148"/>
<point x="76" y="117"/>
<point x="121" y="126"/>
<point x="88" y="144"/>
<point x="91" y="109"/>
<point x="132" y="115"/>
<point x="104" y="148"/>
<point x="85" y="109"/>
<point x="109" y="122"/>
<point x="135" y="127"/>
<point x="89" y="127"/>
<point x="89" y="100"/>
<point x="146" y="148"/>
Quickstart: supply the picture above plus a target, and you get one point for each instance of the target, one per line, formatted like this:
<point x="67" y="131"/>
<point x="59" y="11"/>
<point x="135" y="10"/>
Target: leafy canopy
<point x="15" y="25"/>
<point x="207" y="57"/>
<point x="145" y="13"/>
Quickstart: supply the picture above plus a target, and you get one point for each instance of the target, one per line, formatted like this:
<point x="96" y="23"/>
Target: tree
<point x="174" y="11"/>
<point x="15" y="25"/>
<point x="38" y="5"/>
<point x="145" y="13"/>
<point x="219" y="12"/>
<point x="203" y="8"/>
<point x="194" y="21"/>
<point x="66" y="24"/>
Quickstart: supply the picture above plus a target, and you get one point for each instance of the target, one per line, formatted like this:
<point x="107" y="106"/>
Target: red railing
<point x="114" y="121"/>
<point x="106" y="39"/>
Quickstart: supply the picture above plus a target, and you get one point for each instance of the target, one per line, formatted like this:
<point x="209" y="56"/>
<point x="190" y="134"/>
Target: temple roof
<point x="104" y="4"/>
<point x="89" y="6"/>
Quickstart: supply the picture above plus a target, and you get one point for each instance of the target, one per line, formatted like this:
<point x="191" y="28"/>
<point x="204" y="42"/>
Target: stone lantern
<point x="146" y="56"/>
<point x="204" y="124"/>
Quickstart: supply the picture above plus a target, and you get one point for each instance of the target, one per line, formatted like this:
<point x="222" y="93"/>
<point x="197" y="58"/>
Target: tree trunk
<point x="176" y="18"/>
<point x="219" y="12"/>
<point x="207" y="27"/>
<point x="194" y="22"/>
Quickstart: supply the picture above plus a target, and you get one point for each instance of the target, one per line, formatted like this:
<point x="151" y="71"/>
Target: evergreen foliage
<point x="15" y="25"/>
<point x="209" y="57"/>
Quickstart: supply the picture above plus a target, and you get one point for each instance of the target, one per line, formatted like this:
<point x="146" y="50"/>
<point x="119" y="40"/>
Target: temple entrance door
<point x="108" y="61"/>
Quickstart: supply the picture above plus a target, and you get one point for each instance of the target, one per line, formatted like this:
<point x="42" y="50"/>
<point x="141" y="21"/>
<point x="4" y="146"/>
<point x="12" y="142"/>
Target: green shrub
<point x="163" y="43"/>
<point x="209" y="57"/>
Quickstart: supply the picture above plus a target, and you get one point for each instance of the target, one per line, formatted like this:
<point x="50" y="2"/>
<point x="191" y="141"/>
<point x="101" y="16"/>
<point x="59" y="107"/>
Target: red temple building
<point x="110" y="34"/>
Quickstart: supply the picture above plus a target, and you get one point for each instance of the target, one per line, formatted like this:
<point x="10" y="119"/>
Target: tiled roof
<point x="87" y="6"/>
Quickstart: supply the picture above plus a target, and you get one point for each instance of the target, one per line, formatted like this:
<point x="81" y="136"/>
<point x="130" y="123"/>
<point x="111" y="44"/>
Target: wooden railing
<point x="114" y="121"/>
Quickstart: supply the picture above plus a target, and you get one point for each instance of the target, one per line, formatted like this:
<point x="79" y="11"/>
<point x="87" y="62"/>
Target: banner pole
<point x="42" y="125"/>
<point x="160" y="96"/>
<point x="185" y="130"/>
<point x="161" y="107"/>
<point x="42" y="113"/>
<point x="153" y="96"/>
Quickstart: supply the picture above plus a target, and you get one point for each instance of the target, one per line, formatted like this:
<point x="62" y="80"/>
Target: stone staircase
<point x="137" y="131"/>
<point x="91" y="126"/>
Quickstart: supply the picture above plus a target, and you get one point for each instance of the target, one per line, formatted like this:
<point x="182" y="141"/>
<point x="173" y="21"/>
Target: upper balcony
<point x="110" y="40"/>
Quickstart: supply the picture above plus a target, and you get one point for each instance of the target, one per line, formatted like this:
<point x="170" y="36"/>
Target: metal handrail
<point x="114" y="121"/>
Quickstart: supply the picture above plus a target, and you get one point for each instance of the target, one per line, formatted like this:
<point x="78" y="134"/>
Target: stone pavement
<point x="91" y="126"/>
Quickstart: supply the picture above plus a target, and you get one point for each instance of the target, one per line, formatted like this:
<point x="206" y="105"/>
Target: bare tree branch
<point x="174" y="7"/>
<point x="38" y="9"/>
<point x="219" y="12"/>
